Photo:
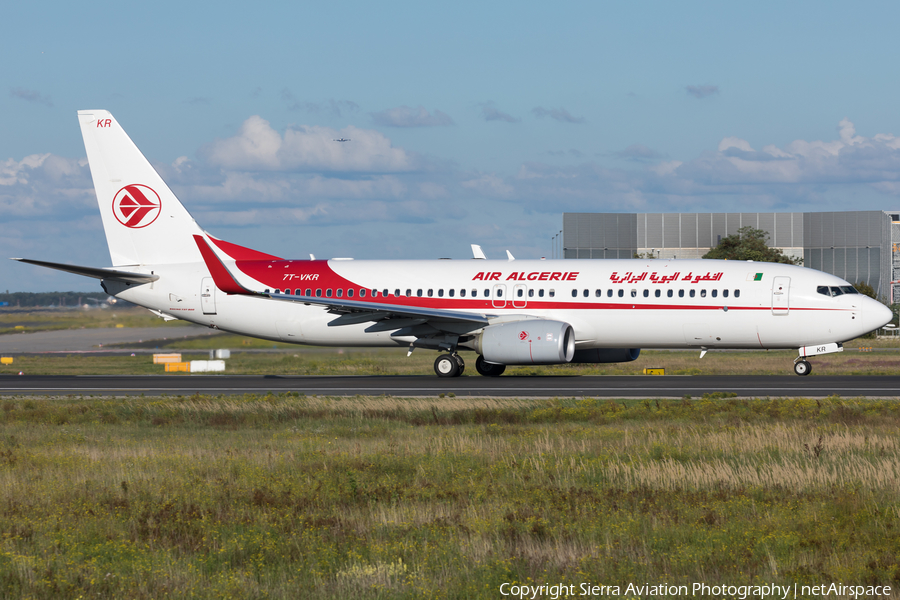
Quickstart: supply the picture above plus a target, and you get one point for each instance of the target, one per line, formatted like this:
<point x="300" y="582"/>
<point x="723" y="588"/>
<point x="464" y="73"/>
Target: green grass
<point x="47" y="319"/>
<point x="285" y="496"/>
<point x="301" y="360"/>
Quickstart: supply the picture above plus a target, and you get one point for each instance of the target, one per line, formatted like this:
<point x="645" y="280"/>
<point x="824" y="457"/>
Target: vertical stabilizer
<point x="145" y="224"/>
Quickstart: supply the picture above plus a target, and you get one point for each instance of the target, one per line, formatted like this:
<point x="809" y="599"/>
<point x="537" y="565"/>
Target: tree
<point x="749" y="243"/>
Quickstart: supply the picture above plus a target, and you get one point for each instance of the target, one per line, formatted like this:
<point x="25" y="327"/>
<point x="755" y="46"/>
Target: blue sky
<point x="470" y="122"/>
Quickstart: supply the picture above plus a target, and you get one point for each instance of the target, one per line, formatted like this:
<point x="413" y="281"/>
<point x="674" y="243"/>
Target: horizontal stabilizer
<point x="95" y="272"/>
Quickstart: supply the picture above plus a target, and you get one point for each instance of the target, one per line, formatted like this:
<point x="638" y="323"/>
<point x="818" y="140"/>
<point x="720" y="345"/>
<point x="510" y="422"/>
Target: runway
<point x="474" y="386"/>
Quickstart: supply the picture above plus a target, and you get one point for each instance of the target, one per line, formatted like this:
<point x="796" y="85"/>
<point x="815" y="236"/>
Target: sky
<point x="469" y="122"/>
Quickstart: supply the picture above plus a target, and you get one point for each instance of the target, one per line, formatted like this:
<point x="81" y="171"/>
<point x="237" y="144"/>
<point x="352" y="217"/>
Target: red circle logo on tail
<point x="136" y="206"/>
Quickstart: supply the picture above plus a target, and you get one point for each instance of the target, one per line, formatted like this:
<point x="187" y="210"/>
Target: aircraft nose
<point x="875" y="314"/>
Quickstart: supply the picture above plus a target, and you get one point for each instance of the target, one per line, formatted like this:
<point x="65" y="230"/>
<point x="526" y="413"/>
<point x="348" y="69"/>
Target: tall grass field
<point x="286" y="496"/>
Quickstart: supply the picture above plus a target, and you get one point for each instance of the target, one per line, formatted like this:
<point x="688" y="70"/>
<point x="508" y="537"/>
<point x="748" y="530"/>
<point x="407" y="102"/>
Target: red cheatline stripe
<point x="222" y="278"/>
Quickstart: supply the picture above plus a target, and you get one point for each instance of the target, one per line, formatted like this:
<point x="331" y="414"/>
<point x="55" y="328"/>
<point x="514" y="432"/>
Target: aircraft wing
<point x="389" y="317"/>
<point x="95" y="272"/>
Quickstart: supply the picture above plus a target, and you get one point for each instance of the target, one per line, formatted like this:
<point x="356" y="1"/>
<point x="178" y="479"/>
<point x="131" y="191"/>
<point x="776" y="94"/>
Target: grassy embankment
<point x="288" y="496"/>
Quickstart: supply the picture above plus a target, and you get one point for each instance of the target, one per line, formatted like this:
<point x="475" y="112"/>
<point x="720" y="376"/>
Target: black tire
<point x="446" y="366"/>
<point x="461" y="363"/>
<point x="802" y="368"/>
<point x="488" y="369"/>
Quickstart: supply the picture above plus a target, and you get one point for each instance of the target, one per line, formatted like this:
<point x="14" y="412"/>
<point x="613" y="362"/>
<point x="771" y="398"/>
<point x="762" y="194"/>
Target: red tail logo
<point x="136" y="206"/>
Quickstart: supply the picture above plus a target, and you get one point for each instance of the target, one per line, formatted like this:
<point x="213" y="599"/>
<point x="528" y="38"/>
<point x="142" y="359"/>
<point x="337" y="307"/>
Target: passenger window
<point x="487" y="293"/>
<point x="451" y="293"/>
<point x="319" y="293"/>
<point x="520" y="293"/>
<point x="703" y="293"/>
<point x="277" y="291"/>
<point x="586" y="293"/>
<point x="462" y="293"/>
<point x="634" y="293"/>
<point x="669" y="293"/>
<point x="621" y="293"/>
<point x="475" y="293"/>
<point x="499" y="292"/>
<point x="693" y="293"/>
<point x="609" y="293"/>
<point x="681" y="293"/>
<point x="430" y="293"/>
<point x="531" y="293"/>
<point x="408" y="293"/>
<point x="267" y="291"/>
<point x="418" y="293"/>
<point x="737" y="293"/>
<point x="340" y="292"/>
<point x="552" y="293"/>
<point x="715" y="293"/>
<point x="397" y="293"/>
<point x="541" y="293"/>
<point x="308" y="292"/>
<point x="724" y="293"/>
<point x="350" y="293"/>
<point x="362" y="293"/>
<point x="441" y="293"/>
<point x="658" y="293"/>
<point x="646" y="293"/>
<point x="328" y="293"/>
<point x="574" y="293"/>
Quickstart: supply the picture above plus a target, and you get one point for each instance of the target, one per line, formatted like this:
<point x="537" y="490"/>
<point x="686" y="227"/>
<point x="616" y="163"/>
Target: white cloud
<point x="490" y="113"/>
<point x="701" y="91"/>
<point x="489" y="185"/>
<point x="306" y="148"/>
<point x="404" y="116"/>
<point x="560" y="114"/>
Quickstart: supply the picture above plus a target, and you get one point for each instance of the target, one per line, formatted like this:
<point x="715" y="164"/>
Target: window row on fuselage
<point x="519" y="292"/>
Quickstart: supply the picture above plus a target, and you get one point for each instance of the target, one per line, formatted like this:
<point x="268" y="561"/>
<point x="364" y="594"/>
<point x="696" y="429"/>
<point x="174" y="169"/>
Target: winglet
<point x="477" y="252"/>
<point x="223" y="279"/>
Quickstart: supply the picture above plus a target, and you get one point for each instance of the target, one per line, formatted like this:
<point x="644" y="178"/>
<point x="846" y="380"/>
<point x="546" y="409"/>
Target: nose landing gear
<point x="802" y="366"/>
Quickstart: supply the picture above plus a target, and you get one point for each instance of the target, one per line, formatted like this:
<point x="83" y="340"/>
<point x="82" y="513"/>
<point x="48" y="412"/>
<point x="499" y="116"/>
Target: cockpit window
<point x="849" y="289"/>
<point x="836" y="291"/>
<point x="823" y="289"/>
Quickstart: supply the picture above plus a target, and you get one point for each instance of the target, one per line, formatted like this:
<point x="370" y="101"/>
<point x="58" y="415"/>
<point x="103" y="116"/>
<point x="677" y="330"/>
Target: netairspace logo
<point x="740" y="592"/>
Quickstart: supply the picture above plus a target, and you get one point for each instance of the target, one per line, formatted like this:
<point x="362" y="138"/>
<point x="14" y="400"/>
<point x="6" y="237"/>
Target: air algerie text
<point x="523" y="276"/>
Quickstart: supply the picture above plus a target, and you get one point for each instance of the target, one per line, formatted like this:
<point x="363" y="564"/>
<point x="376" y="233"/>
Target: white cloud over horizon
<point x="265" y="180"/>
<point x="257" y="146"/>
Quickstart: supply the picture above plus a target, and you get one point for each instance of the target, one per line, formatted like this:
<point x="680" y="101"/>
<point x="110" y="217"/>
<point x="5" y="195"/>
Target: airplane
<point x="506" y="312"/>
<point x="342" y="140"/>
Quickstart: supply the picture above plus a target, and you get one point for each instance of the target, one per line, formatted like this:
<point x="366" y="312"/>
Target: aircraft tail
<point x="145" y="224"/>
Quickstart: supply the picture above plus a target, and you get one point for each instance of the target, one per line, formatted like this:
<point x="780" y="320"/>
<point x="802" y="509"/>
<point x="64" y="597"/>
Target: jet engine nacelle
<point x="606" y="355"/>
<point x="534" y="342"/>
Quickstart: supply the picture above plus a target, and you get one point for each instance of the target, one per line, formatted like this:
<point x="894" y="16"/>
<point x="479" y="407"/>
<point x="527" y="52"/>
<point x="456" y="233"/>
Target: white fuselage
<point x="610" y="303"/>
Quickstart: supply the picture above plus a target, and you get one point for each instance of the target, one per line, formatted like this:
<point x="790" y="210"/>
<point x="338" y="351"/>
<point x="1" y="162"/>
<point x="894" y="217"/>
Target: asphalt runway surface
<point x="887" y="386"/>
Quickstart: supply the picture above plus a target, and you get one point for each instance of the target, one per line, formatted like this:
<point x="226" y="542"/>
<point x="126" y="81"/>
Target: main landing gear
<point x="449" y="365"/>
<point x="452" y="365"/>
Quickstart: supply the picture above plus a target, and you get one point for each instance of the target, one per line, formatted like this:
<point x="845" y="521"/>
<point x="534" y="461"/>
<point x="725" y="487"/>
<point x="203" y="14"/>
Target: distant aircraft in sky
<point x="507" y="312"/>
<point x="342" y="140"/>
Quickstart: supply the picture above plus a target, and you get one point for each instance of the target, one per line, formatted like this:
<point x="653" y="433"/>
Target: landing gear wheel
<point x="446" y="366"/>
<point x="488" y="369"/>
<point x="460" y="362"/>
<point x="802" y="367"/>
